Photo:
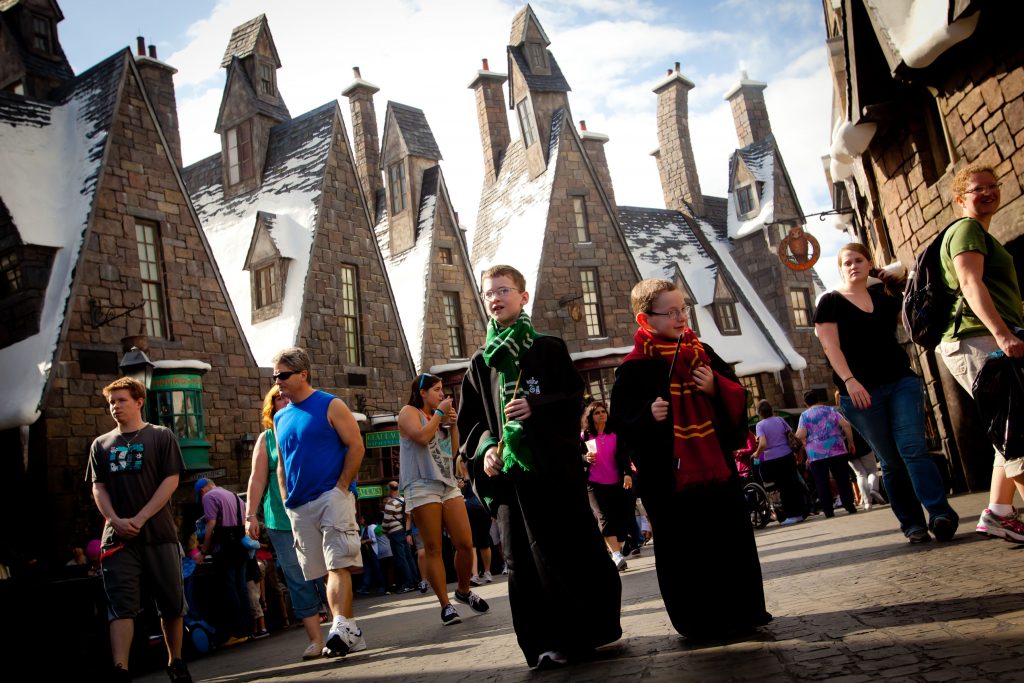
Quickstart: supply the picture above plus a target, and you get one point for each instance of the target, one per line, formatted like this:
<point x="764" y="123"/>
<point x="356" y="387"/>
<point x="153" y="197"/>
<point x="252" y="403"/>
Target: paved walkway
<point x="852" y="602"/>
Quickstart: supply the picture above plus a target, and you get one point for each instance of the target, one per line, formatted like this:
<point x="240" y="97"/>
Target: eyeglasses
<point x="423" y="377"/>
<point x="983" y="188"/>
<point x="282" y="376"/>
<point x="499" y="293"/>
<point x="674" y="313"/>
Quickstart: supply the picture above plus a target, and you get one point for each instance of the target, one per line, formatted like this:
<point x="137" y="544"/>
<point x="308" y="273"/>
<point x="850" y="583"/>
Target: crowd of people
<point x="669" y="447"/>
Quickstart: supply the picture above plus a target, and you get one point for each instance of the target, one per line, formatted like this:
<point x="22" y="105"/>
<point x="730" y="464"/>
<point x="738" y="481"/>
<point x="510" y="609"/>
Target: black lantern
<point x="137" y="365"/>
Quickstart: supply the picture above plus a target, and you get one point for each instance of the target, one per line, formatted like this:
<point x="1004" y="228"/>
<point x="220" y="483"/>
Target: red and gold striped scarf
<point x="695" y="445"/>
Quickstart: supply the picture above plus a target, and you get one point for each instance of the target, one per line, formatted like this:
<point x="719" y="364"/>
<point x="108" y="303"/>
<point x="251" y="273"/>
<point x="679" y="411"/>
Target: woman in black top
<point x="880" y="395"/>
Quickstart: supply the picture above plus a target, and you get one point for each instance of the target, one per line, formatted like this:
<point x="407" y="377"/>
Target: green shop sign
<point x="382" y="439"/>
<point x="369" y="492"/>
<point x="179" y="382"/>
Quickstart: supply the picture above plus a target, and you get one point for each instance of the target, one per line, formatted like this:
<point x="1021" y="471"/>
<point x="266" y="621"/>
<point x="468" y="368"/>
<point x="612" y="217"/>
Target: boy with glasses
<point x="320" y="450"/>
<point x="680" y="412"/>
<point x="521" y="401"/>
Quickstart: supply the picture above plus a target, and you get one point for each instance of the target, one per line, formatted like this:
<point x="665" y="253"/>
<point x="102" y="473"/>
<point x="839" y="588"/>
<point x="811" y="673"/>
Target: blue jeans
<point x="404" y="561"/>
<point x="306" y="596"/>
<point x="894" y="428"/>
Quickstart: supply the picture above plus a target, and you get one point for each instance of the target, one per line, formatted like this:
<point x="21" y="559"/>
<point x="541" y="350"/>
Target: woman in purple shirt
<point x="778" y="463"/>
<point x="608" y="477"/>
<point x="828" y="438"/>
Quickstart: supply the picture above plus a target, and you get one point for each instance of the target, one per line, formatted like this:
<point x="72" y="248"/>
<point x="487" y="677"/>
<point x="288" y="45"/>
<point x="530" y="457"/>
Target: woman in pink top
<point x="607" y="478"/>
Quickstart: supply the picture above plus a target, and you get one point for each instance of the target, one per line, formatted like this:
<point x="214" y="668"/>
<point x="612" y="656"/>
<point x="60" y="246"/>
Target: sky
<point x="425" y="54"/>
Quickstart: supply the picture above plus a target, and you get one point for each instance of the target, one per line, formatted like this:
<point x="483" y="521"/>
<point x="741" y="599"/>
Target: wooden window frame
<point x="348" y="320"/>
<point x="444" y="255"/>
<point x="453" y="324"/>
<point x="240" y="162"/>
<point x="266" y="293"/>
<point x="526" y="123"/>
<point x="800" y="302"/>
<point x="745" y="195"/>
<point x="397" y="188"/>
<point x="151" y="278"/>
<point x="591" y="302"/>
<point x="268" y="81"/>
<point x="725" y="313"/>
<point x="579" y="210"/>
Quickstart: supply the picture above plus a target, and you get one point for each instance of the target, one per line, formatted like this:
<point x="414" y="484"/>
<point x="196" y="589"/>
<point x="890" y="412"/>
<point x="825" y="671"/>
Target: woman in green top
<point x="977" y="265"/>
<point x="306" y="596"/>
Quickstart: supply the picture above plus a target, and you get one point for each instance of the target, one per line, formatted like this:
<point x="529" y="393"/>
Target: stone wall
<point x="138" y="181"/>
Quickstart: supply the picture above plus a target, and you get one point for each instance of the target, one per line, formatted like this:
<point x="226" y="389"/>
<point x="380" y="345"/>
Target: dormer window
<point x="745" y="199"/>
<point x="10" y="274"/>
<point x="266" y="286"/>
<point x="42" y="34"/>
<point x="267" y="84"/>
<point x="725" y="317"/>
<point x="526" y="124"/>
<point x="240" y="166"/>
<point x="397" y="187"/>
<point x="538" y="56"/>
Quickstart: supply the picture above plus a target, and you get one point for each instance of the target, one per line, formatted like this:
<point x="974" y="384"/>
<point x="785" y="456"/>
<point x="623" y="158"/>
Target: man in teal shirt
<point x="982" y="269"/>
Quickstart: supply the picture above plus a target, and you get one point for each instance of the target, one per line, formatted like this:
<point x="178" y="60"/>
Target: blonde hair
<point x="645" y="293"/>
<point x="268" y="407"/>
<point x="963" y="176"/>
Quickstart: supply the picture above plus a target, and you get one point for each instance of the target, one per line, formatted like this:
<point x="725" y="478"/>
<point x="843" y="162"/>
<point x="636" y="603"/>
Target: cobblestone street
<point x="852" y="602"/>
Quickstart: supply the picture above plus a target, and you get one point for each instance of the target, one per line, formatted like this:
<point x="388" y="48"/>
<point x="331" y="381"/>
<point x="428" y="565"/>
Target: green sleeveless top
<point x="273" y="507"/>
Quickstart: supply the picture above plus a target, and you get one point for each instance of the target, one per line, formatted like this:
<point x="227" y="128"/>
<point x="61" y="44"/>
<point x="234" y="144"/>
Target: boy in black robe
<point x="680" y="411"/>
<point x="519" y="414"/>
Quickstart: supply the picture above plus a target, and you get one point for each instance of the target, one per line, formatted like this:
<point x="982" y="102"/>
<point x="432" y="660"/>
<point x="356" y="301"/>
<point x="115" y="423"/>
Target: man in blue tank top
<point x="320" y="451"/>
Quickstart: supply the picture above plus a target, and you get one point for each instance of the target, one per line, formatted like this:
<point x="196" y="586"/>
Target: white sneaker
<point x="488" y="578"/>
<point x="504" y="569"/>
<point x="314" y="651"/>
<point x="343" y="638"/>
<point x="550" y="660"/>
<point x="476" y="580"/>
<point x="619" y="560"/>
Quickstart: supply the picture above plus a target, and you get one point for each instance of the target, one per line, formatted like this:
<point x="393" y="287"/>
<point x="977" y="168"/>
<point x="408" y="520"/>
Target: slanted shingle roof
<point x="538" y="83"/>
<point x="243" y="40"/>
<point x="58" y="69"/>
<point x="50" y="161"/>
<point x="521" y="22"/>
<point x="414" y="129"/>
<point x="292" y="187"/>
<point x="275" y="110"/>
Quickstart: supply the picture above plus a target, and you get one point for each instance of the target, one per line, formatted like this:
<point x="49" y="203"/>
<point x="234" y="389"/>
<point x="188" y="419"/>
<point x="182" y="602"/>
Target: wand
<point x="672" y="367"/>
<point x="501" y="443"/>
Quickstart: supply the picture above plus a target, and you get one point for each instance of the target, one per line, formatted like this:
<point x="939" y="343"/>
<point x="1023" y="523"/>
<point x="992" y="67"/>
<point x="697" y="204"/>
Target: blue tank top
<point x="313" y="454"/>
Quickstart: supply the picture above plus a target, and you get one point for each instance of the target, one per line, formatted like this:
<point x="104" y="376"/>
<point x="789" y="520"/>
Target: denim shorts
<point x="425" y="491"/>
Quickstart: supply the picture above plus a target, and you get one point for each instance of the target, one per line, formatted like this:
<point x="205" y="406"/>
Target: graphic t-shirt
<point x="825" y="438"/>
<point x="132" y="466"/>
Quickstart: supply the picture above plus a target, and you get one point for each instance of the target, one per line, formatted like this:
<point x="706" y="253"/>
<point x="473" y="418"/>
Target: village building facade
<point x="920" y="91"/>
<point x="101" y="250"/>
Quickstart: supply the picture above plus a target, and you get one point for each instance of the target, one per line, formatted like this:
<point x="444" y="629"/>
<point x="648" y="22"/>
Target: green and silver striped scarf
<point x="504" y="347"/>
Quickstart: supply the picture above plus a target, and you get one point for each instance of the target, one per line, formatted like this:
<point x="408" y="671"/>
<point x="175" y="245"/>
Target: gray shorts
<point x="965" y="358"/>
<point x="326" y="533"/>
<point x="424" y="491"/>
<point x="157" y="568"/>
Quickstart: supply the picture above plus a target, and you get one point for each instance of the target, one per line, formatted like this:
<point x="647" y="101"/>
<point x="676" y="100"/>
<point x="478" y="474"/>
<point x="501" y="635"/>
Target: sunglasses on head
<point x="423" y="377"/>
<point x="284" y="375"/>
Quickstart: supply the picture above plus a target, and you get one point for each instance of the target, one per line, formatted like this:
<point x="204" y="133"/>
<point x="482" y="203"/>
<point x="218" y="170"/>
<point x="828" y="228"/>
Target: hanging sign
<point x="799" y="250"/>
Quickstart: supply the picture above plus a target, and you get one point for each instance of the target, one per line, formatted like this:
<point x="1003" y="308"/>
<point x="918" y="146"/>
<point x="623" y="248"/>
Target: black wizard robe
<point x="704" y="550"/>
<point x="564" y="590"/>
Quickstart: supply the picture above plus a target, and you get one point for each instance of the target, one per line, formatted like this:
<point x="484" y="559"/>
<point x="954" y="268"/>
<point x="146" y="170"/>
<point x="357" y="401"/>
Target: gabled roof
<point x="536" y="82"/>
<point x="58" y="69"/>
<point x="662" y="240"/>
<point x="513" y="215"/>
<point x="415" y="131"/>
<point x="521" y="23"/>
<point x="237" y="75"/>
<point x="292" y="187"/>
<point x="243" y="40"/>
<point x="50" y="160"/>
<point x="759" y="158"/>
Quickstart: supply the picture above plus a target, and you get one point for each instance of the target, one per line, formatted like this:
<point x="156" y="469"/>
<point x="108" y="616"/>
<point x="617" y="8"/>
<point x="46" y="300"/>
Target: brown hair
<point x="422" y="382"/>
<point x="764" y="409"/>
<point x="587" y="421"/>
<point x="294" y="358"/>
<point x="135" y="388"/>
<point x="646" y="291"/>
<point x="505" y="271"/>
<point x="268" y="407"/>
<point x="853" y="246"/>
<point x="964" y="175"/>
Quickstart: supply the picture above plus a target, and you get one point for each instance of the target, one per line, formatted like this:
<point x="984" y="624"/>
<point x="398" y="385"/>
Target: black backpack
<point x="927" y="301"/>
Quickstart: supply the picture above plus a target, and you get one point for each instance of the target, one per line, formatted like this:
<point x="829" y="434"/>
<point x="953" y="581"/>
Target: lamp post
<point x="137" y="365"/>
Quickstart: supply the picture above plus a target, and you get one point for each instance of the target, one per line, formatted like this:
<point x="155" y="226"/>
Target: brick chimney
<point x="749" y="113"/>
<point x="364" y="134"/>
<point x="158" y="79"/>
<point x="593" y="145"/>
<point x="493" y="119"/>
<point x="676" y="165"/>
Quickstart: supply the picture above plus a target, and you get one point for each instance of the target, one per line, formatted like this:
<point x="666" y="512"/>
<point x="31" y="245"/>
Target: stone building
<point x="547" y="208"/>
<point x="100" y="250"/>
<point x="920" y="90"/>
<point x="753" y="310"/>
<point x="292" y="228"/>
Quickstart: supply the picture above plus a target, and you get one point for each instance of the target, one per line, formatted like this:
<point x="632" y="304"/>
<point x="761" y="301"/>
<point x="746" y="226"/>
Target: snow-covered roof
<point x="662" y="240"/>
<point x="916" y="32"/>
<point x="50" y="158"/>
<point x="513" y="216"/>
<point x="292" y="186"/>
<point x="759" y="159"/>
<point x="408" y="270"/>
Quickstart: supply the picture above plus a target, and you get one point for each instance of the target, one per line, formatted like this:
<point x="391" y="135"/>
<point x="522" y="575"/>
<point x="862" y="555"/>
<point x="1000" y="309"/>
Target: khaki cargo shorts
<point x="326" y="533"/>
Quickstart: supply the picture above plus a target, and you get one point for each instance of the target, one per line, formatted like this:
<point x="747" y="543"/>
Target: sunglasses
<point x="423" y="377"/>
<point x="282" y="376"/>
